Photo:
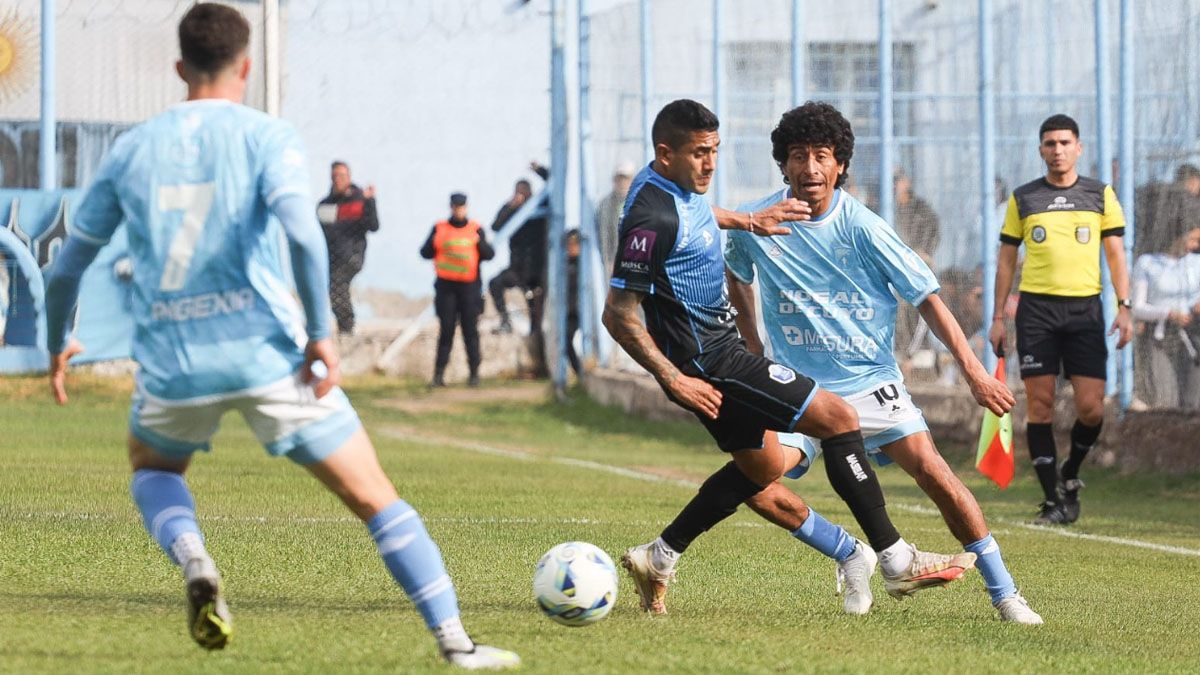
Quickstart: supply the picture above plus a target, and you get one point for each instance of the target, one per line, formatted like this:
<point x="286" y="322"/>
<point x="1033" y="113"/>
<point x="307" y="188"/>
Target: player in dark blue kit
<point x="670" y="263"/>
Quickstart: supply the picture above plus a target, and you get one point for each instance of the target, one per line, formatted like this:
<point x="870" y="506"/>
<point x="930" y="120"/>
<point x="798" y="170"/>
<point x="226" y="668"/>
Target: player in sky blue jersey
<point x="670" y="264"/>
<point x="217" y="330"/>
<point x="828" y="308"/>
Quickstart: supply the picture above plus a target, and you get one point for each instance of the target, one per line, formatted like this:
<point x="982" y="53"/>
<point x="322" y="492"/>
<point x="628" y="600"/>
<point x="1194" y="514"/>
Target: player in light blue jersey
<point x="828" y="308"/>
<point x="204" y="190"/>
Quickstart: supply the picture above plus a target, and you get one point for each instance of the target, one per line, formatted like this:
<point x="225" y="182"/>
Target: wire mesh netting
<point x="1045" y="58"/>
<point x="114" y="68"/>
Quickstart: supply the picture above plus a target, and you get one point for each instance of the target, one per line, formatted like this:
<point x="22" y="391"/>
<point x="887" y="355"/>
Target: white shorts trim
<point x="886" y="413"/>
<point x="285" y="416"/>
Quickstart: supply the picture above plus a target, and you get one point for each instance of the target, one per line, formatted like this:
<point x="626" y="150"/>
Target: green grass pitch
<point x="502" y="476"/>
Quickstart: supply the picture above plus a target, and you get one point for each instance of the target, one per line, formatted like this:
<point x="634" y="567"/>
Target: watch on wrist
<point x="1126" y="303"/>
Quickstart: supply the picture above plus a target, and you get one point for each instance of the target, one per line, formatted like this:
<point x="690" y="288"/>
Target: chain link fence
<point x="1045" y="58"/>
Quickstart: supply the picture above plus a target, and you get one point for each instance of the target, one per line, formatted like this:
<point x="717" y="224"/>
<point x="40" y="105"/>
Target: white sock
<point x="662" y="556"/>
<point x="896" y="559"/>
<point x="452" y="637"/>
<point x="187" y="546"/>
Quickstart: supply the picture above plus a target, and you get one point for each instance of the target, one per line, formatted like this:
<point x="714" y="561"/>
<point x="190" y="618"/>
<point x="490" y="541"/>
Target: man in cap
<point x="457" y="246"/>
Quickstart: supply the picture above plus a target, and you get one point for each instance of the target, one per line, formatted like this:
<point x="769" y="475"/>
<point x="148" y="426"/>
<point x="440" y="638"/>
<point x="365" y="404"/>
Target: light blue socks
<point x="415" y="562"/>
<point x="995" y="575"/>
<point x="826" y="537"/>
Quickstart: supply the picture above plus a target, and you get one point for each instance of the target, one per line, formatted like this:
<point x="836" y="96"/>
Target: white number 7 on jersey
<point x="194" y="200"/>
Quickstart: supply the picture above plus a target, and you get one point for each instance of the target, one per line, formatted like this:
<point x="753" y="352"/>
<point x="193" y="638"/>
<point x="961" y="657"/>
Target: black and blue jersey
<point x="670" y="250"/>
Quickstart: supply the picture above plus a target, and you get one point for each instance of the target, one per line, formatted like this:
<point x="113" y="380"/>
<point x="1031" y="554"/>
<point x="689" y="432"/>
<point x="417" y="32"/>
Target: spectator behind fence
<point x="608" y="213"/>
<point x="917" y="224"/>
<point x="573" y="249"/>
<point x="916" y="221"/>
<point x="526" y="270"/>
<point x="457" y="246"/>
<point x="1166" y="211"/>
<point x="1166" y="304"/>
<point x="347" y="214"/>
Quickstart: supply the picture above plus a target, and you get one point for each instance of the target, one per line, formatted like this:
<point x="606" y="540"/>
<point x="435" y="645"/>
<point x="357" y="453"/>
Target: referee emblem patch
<point x="781" y="374"/>
<point x="1038" y="235"/>
<point x="1083" y="233"/>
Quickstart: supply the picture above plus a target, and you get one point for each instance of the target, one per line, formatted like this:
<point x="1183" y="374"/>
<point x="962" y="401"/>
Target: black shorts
<point x="1053" y="329"/>
<point x="757" y="394"/>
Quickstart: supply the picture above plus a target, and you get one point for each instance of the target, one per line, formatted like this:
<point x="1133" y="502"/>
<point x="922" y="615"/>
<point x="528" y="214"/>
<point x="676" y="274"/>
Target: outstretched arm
<point x="987" y="390"/>
<point x="62" y="294"/>
<point x="1006" y="268"/>
<point x="1114" y="253"/>
<point x="767" y="222"/>
<point x="621" y="319"/>
<point x="310" y="267"/>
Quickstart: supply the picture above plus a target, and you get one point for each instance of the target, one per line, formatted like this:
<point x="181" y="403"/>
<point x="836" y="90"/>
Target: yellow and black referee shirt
<point x="1061" y="229"/>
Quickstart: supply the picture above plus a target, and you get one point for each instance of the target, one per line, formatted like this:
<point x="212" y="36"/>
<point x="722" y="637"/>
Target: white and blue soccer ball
<point x="575" y="584"/>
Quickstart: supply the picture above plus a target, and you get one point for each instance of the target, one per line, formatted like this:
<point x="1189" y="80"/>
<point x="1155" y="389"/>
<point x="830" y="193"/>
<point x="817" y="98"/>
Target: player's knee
<point x="841" y="416"/>
<point x="1091" y="416"/>
<point x="780" y="506"/>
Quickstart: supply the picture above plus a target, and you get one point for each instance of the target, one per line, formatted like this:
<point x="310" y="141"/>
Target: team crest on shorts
<point x="1083" y="234"/>
<point x="781" y="374"/>
<point x="1038" y="235"/>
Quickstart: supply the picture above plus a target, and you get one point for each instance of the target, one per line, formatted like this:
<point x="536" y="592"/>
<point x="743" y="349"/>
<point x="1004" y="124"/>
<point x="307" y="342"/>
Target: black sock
<point x="1044" y="455"/>
<point x="717" y="499"/>
<point x="854" y="481"/>
<point x="1082" y="439"/>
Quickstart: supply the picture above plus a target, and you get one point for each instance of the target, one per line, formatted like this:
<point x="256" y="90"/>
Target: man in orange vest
<point x="457" y="246"/>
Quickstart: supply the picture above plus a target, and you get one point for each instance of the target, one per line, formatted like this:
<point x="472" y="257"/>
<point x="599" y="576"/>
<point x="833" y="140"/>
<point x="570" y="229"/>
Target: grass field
<point x="502" y="476"/>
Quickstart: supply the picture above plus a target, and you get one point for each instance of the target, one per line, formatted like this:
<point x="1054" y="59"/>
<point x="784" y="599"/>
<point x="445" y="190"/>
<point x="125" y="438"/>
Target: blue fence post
<point x="718" y="75"/>
<point x="48" y="140"/>
<point x="589" y="236"/>
<point x="1128" y="173"/>
<point x="558" y="166"/>
<point x="887" y="132"/>
<point x="1104" y="157"/>
<point x="647" y="78"/>
<point x="987" y="172"/>
<point x="798" y="53"/>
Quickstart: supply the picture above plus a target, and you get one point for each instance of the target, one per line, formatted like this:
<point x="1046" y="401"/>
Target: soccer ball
<point x="575" y="584"/>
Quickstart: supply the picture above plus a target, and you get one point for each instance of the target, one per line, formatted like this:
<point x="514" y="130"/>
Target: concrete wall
<point x="1150" y="441"/>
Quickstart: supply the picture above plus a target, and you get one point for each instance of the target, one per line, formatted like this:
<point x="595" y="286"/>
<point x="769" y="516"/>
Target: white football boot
<point x="854" y="579"/>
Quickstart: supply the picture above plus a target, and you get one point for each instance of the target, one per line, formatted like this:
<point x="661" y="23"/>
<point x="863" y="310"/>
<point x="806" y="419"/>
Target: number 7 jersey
<point x="194" y="185"/>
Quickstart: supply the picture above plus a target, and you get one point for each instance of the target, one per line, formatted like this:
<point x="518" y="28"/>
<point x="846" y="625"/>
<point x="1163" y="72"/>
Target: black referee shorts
<point x="1054" y="330"/>
<point x="757" y="394"/>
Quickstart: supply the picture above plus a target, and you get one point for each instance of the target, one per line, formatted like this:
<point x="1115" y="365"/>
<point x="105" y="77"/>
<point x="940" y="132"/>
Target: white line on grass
<point x="410" y="436"/>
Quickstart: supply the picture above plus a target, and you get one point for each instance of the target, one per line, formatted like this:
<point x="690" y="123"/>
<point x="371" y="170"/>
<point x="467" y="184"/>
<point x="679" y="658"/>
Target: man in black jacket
<point x="527" y="257"/>
<point x="347" y="214"/>
<point x="456" y="246"/>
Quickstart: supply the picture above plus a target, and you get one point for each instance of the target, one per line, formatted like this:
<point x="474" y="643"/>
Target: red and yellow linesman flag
<point x="995" y="456"/>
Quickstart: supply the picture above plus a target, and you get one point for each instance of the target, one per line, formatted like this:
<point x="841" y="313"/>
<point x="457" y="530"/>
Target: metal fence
<point x="940" y="170"/>
<point x="949" y="94"/>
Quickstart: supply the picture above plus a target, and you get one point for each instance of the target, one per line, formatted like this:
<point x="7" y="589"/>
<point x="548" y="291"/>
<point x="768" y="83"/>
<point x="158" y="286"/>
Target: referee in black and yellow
<point x="1062" y="219"/>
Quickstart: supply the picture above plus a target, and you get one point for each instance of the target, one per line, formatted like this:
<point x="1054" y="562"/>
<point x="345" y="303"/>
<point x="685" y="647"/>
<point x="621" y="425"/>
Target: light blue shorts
<point x="285" y="416"/>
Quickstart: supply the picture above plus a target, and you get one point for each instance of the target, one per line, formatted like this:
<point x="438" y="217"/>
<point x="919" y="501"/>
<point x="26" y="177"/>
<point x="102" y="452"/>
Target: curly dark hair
<point x="815" y="123"/>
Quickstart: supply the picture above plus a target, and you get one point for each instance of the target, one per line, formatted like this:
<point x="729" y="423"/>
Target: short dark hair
<point x="1058" y="122"/>
<point x="815" y="123"/>
<point x="212" y="36"/>
<point x="524" y="183"/>
<point x="1186" y="172"/>
<point x="336" y="163"/>
<point x="679" y="119"/>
